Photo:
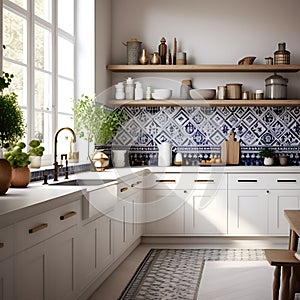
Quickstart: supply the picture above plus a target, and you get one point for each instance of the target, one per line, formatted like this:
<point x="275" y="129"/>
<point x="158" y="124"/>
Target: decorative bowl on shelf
<point x="248" y="60"/>
<point x="161" y="94"/>
<point x="203" y="94"/>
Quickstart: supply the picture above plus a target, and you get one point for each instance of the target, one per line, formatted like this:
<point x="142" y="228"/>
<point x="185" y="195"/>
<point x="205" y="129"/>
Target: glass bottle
<point x="162" y="51"/>
<point x="281" y="56"/>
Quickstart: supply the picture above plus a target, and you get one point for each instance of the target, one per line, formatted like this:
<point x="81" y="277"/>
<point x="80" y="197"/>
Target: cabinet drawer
<point x="207" y="181"/>
<point x="128" y="186"/>
<point x="164" y="181"/>
<point x="40" y="227"/>
<point x="6" y="242"/>
<point x="264" y="181"/>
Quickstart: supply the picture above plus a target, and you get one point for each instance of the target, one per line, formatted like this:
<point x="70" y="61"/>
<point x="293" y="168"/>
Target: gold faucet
<point x="56" y="166"/>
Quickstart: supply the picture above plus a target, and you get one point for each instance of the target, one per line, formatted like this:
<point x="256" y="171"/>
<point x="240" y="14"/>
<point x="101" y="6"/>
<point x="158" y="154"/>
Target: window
<point x="39" y="37"/>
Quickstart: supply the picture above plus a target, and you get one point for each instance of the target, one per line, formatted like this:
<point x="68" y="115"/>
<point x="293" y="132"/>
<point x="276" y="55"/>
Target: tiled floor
<point x="114" y="284"/>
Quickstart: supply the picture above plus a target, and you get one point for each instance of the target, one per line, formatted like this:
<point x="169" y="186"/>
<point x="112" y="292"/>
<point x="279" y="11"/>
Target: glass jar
<point x="281" y="56"/>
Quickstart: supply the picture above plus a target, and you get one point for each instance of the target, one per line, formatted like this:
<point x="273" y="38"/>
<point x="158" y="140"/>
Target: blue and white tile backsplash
<point x="201" y="130"/>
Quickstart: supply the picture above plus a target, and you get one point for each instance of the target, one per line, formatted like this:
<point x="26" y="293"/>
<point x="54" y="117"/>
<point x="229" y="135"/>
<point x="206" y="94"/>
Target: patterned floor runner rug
<point x="176" y="273"/>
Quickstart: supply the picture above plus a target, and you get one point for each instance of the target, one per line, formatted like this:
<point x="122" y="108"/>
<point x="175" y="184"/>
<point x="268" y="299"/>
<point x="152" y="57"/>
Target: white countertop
<point x="20" y="203"/>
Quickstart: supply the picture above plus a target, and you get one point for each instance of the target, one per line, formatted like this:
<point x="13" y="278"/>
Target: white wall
<point x="211" y="32"/>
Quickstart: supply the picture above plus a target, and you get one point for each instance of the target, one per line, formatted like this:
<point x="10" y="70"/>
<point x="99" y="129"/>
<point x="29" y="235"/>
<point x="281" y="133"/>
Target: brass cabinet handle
<point x="124" y="189"/>
<point x="135" y="184"/>
<point x="68" y="215"/>
<point x="247" y="180"/>
<point x="38" y="228"/>
<point x="1" y="245"/>
<point x="166" y="180"/>
<point x="203" y="180"/>
<point x="286" y="180"/>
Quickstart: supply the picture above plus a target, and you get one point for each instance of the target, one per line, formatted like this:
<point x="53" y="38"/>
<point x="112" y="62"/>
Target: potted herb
<point x="19" y="160"/>
<point x="268" y="155"/>
<point x="94" y="122"/>
<point x="12" y="127"/>
<point x="35" y="152"/>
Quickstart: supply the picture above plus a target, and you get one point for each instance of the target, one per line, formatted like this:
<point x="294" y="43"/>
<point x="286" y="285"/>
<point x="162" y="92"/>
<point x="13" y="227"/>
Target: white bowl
<point x="203" y="94"/>
<point x="163" y="92"/>
<point x="161" y="96"/>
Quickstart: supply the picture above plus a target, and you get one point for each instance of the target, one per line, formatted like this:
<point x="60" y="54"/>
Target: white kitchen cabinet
<point x="206" y="212"/>
<point x="105" y="242"/>
<point x="6" y="263"/>
<point x="256" y="202"/>
<point x="44" y="265"/>
<point x="165" y="211"/>
<point x="127" y="213"/>
<point x="95" y="249"/>
<point x="279" y="200"/>
<point x="47" y="270"/>
<point x="6" y="279"/>
<point x="247" y="212"/>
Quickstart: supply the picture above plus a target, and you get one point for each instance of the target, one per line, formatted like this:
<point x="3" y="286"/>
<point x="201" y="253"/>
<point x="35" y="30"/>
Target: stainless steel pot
<point x="276" y="87"/>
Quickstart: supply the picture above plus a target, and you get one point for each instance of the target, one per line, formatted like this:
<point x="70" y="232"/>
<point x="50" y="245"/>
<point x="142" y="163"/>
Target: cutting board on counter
<point x="230" y="151"/>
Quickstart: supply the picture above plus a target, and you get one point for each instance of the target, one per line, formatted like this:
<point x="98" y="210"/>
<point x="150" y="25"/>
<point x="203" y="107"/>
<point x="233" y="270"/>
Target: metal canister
<point x="222" y="92"/>
<point x="134" y="51"/>
<point x="276" y="87"/>
<point x="234" y="90"/>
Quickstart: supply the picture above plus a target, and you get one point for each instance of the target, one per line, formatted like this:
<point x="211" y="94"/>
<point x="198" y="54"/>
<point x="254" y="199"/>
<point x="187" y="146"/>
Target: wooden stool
<point x="286" y="260"/>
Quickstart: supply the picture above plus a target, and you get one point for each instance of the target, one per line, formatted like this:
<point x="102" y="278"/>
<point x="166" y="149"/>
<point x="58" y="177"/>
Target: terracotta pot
<point x="5" y="175"/>
<point x="20" y="177"/>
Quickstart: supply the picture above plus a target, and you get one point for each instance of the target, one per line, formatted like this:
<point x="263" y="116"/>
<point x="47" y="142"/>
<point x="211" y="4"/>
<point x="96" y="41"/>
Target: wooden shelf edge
<point x="203" y="103"/>
<point x="204" y="68"/>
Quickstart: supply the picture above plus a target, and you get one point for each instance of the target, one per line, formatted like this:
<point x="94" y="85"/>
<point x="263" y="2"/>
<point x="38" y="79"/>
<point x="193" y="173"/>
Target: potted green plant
<point x="268" y="155"/>
<point x="12" y="127"/>
<point x="35" y="152"/>
<point x="94" y="122"/>
<point x="19" y="160"/>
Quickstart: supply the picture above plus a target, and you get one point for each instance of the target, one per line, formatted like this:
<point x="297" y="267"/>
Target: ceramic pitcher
<point x="164" y="154"/>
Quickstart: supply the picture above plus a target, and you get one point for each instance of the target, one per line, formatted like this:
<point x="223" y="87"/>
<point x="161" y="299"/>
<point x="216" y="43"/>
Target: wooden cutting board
<point x="230" y="151"/>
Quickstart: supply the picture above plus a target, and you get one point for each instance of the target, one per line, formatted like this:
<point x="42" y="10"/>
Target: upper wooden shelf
<point x="204" y="68"/>
<point x="204" y="103"/>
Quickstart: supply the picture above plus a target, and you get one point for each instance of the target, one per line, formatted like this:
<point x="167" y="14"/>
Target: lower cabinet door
<point x="6" y="279"/>
<point x="46" y="270"/>
<point x="247" y="212"/>
<point x="88" y="254"/>
<point x="105" y="242"/>
<point x="279" y="201"/>
<point x="165" y="211"/>
<point x="206" y="212"/>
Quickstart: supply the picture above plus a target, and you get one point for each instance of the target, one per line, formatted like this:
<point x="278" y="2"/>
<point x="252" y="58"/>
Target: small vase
<point x="20" y="177"/>
<point x="155" y="58"/>
<point x="5" y="175"/>
<point x="143" y="59"/>
<point x="35" y="162"/>
<point x="268" y="161"/>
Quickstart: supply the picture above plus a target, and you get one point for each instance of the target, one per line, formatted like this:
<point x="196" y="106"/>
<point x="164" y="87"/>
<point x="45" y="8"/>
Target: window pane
<point x="65" y="58"/>
<point x="66" y="15"/>
<point x="42" y="8"/>
<point x="22" y="3"/>
<point x="43" y="129"/>
<point x="14" y="37"/>
<point x="65" y="120"/>
<point x="65" y="95"/>
<point x="43" y="53"/>
<point x="19" y="82"/>
<point x="43" y="91"/>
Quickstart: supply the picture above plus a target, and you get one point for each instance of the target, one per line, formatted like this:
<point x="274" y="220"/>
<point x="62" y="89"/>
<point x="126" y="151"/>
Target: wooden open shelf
<point x="204" y="103"/>
<point x="204" y="68"/>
